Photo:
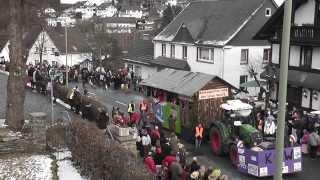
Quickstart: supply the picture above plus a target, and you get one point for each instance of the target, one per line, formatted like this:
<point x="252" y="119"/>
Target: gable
<point x="245" y="36"/>
<point x="183" y="35"/>
<point x="275" y="22"/>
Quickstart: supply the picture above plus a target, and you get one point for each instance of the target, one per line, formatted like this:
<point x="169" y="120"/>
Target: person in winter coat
<point x="194" y="166"/>
<point x="305" y="142"/>
<point x="155" y="135"/>
<point x="314" y="140"/>
<point x="146" y="142"/>
<point x="175" y="171"/>
<point x="150" y="163"/>
<point x="168" y="160"/>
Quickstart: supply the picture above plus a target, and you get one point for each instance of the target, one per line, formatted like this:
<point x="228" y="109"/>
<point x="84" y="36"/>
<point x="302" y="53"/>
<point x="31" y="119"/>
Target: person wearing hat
<point x="194" y="166"/>
<point x="155" y="135"/>
<point x="195" y="175"/>
<point x="146" y="141"/>
<point x="216" y="175"/>
<point x="150" y="164"/>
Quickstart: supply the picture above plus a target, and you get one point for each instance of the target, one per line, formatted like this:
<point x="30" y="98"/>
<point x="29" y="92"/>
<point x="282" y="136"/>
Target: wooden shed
<point x="191" y="96"/>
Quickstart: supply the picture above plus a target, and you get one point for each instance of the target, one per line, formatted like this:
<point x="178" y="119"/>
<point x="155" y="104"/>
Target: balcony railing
<point x="301" y="34"/>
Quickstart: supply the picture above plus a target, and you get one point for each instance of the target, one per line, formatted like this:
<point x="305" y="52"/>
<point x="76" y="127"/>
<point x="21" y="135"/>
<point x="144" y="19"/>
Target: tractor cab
<point x="238" y="117"/>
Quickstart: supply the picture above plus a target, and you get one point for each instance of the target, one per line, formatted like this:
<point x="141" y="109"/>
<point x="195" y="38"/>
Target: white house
<point x="304" y="59"/>
<point x="49" y="46"/>
<point x="215" y="37"/>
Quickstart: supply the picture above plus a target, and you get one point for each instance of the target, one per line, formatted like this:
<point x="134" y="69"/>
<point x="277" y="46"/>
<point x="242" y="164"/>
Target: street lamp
<point x="66" y="38"/>
<point x="52" y="73"/>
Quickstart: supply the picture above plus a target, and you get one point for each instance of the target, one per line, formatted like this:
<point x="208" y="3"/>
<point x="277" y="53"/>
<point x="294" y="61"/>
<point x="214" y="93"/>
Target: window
<point x="268" y="12"/>
<point x="172" y="54"/>
<point x="164" y="50"/>
<point x="266" y="55"/>
<point x="37" y="50"/>
<point x="306" y="57"/>
<point x="205" y="54"/>
<point x="244" y="56"/>
<point x="184" y="52"/>
<point x="243" y="79"/>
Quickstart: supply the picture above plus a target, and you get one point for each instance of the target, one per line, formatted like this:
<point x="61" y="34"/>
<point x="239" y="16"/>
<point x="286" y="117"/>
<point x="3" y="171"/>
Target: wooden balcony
<point x="304" y="35"/>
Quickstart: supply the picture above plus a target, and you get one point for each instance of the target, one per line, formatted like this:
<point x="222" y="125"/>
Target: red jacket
<point x="150" y="164"/>
<point x="168" y="160"/>
<point x="155" y="134"/>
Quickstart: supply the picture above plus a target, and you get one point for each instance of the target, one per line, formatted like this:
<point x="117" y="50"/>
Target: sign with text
<point x="213" y="93"/>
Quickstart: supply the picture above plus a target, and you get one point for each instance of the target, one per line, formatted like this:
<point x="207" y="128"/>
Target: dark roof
<point x="77" y="42"/>
<point x="297" y="78"/>
<point x="171" y="63"/>
<point x="31" y="36"/>
<point x="119" y="20"/>
<point x="177" y="81"/>
<point x="141" y="51"/>
<point x="212" y="22"/>
<point x="3" y="40"/>
<point x="275" y="21"/>
<point x="245" y="36"/>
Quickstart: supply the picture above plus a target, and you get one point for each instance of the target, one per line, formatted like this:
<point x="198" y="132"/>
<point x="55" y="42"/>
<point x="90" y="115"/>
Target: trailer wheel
<point x="216" y="141"/>
<point x="233" y="155"/>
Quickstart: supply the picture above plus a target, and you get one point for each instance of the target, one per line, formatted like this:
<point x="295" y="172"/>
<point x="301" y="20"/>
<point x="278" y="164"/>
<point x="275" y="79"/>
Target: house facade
<point x="49" y="47"/>
<point x="304" y="58"/>
<point x="215" y="37"/>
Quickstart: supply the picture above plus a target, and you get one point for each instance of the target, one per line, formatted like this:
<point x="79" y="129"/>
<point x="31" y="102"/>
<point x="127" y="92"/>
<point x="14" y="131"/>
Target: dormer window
<point x="268" y="12"/>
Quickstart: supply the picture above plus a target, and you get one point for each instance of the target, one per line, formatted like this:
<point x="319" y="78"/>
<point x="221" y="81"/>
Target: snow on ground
<point x="26" y="167"/>
<point x="66" y="171"/>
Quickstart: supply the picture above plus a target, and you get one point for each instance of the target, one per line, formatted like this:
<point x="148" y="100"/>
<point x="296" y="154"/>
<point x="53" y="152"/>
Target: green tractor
<point x="237" y="124"/>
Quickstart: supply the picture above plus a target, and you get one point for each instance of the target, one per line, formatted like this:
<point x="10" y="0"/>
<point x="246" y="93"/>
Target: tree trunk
<point x="17" y="70"/>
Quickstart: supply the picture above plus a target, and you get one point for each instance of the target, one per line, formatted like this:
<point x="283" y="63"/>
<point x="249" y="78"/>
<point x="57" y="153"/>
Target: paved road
<point x="311" y="169"/>
<point x="34" y="102"/>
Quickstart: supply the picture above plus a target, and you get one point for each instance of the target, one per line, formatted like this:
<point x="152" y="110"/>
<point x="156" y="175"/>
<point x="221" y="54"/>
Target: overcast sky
<point x="74" y="1"/>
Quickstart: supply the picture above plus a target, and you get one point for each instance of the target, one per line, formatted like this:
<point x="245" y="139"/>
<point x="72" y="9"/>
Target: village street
<point x="36" y="102"/>
<point x="121" y="99"/>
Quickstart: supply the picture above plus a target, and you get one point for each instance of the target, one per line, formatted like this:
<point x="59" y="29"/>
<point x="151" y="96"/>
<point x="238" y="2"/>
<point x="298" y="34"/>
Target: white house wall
<point x="316" y="102"/>
<point x="5" y="52"/>
<point x="294" y="59"/>
<point x="47" y="55"/>
<point x="305" y="13"/>
<point x="275" y="53"/>
<point x="232" y="64"/>
<point x="74" y="59"/>
<point x="315" y="58"/>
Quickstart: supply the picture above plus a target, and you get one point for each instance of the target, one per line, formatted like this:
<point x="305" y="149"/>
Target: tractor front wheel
<point x="233" y="155"/>
<point x="216" y="141"/>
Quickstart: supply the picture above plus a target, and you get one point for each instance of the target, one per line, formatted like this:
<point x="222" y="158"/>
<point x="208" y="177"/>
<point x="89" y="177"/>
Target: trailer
<point x="248" y="150"/>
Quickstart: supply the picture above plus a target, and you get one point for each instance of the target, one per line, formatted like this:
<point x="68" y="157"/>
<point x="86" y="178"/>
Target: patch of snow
<point x="35" y="167"/>
<point x="66" y="171"/>
<point x="2" y="125"/>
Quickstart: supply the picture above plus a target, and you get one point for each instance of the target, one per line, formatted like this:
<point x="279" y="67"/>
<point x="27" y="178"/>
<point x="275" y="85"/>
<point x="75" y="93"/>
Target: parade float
<point x="248" y="150"/>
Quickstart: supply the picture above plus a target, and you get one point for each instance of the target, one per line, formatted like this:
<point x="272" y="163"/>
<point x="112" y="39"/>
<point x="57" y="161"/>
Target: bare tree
<point x="41" y="45"/>
<point x="254" y="69"/>
<point x="15" y="86"/>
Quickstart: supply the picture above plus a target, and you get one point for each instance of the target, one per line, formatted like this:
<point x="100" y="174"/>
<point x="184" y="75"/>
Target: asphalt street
<point x="35" y="102"/>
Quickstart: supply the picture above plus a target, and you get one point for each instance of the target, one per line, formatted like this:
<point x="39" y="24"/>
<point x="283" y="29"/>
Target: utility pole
<point x="67" y="69"/>
<point x="285" y="45"/>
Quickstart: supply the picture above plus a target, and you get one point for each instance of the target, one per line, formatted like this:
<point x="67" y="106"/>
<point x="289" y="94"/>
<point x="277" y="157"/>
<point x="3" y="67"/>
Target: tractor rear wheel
<point x="233" y="155"/>
<point x="216" y="141"/>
